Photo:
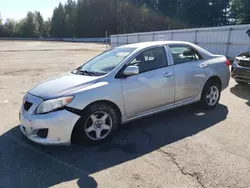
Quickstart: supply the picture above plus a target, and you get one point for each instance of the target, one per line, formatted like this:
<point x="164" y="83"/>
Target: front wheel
<point x="97" y="124"/>
<point x="210" y="95"/>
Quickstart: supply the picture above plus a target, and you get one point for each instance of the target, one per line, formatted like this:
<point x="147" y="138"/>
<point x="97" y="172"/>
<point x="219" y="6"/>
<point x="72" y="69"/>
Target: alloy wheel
<point x="212" y="95"/>
<point x="98" y="125"/>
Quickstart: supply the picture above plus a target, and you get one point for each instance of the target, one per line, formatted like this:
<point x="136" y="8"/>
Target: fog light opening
<point x="43" y="133"/>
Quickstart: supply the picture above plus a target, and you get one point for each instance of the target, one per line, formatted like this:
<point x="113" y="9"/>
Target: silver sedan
<point x="120" y="85"/>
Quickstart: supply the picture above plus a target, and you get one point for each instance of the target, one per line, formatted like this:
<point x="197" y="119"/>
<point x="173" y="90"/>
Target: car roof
<point x="154" y="43"/>
<point x="142" y="45"/>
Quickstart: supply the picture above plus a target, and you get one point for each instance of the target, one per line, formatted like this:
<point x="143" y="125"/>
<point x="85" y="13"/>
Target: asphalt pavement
<point x="184" y="148"/>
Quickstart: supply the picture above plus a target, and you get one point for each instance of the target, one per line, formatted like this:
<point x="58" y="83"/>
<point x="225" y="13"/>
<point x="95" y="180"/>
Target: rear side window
<point x="182" y="54"/>
<point x="151" y="59"/>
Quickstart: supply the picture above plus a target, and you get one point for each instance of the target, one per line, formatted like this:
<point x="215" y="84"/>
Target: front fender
<point x="97" y="92"/>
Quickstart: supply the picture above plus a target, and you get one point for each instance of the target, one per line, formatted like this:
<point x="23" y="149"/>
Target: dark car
<point x="241" y="68"/>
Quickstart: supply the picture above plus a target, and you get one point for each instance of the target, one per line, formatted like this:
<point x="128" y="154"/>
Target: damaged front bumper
<point x="54" y="128"/>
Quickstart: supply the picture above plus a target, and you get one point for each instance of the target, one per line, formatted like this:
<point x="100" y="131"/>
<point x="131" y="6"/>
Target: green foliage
<point x="29" y="26"/>
<point x="32" y="25"/>
<point x="1" y="21"/>
<point x="200" y="13"/>
<point x="240" y="10"/>
<point x="9" y="27"/>
<point x="70" y="18"/>
<point x="92" y="18"/>
<point x="131" y="19"/>
<point x="40" y="23"/>
<point x="58" y="22"/>
<point x="87" y="18"/>
<point x="47" y="28"/>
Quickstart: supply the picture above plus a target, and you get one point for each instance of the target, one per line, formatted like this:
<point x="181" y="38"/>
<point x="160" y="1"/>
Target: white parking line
<point x="49" y="156"/>
<point x="4" y="101"/>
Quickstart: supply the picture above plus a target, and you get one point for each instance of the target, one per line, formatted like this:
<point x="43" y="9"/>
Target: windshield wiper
<point x="86" y="72"/>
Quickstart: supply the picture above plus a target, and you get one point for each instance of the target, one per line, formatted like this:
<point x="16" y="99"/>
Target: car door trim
<point x="169" y="55"/>
<point x="161" y="109"/>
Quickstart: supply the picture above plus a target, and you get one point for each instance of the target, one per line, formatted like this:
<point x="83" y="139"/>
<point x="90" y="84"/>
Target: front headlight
<point x="236" y="62"/>
<point x="53" y="104"/>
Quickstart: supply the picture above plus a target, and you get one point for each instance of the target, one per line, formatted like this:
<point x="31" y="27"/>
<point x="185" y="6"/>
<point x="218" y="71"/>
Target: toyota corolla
<point x="121" y="85"/>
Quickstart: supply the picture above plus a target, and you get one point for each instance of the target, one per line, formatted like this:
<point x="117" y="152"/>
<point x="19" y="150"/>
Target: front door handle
<point x="168" y="74"/>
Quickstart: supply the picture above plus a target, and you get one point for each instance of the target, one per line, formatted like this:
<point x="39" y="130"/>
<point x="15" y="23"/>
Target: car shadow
<point x="242" y="91"/>
<point x="48" y="166"/>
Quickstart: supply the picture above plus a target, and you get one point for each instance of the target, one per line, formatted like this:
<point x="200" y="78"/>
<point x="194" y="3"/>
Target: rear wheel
<point x="210" y="95"/>
<point x="98" y="123"/>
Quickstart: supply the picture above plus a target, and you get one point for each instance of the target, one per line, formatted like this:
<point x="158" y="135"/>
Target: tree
<point x="70" y="18"/>
<point x="40" y="22"/>
<point x="219" y="12"/>
<point x="80" y="16"/>
<point x="200" y="13"/>
<point x="47" y="27"/>
<point x="1" y="21"/>
<point x="91" y="18"/>
<point x="118" y="16"/>
<point x="240" y="10"/>
<point x="9" y="29"/>
<point x="170" y="8"/>
<point x="59" y="22"/>
<point x="1" y="26"/>
<point x="29" y="27"/>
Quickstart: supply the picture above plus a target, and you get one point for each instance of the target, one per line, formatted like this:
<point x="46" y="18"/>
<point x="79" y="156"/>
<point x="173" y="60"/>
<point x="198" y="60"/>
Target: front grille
<point x="244" y="63"/>
<point x="242" y="78"/>
<point x="27" y="105"/>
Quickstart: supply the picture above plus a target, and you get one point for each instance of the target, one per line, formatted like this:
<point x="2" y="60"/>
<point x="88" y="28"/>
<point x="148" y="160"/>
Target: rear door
<point x="190" y="72"/>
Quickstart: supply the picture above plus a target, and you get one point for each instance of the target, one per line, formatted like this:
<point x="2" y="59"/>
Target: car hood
<point x="245" y="55"/>
<point x="243" y="58"/>
<point x="61" y="85"/>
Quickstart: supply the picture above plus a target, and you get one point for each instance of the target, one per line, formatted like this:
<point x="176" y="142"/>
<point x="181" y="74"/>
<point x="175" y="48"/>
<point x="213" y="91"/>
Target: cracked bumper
<point x="60" y="125"/>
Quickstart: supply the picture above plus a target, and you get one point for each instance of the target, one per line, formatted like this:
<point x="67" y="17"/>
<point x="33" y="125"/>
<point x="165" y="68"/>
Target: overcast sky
<point x="18" y="9"/>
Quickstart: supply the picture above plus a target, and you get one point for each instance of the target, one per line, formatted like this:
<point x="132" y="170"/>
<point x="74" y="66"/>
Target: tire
<point x="241" y="83"/>
<point x="205" y="101"/>
<point x="92" y="127"/>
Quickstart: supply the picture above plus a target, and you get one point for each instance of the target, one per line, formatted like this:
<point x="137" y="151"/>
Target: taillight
<point x="228" y="63"/>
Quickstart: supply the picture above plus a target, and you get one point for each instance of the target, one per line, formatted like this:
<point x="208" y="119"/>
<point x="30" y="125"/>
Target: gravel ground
<point x="184" y="148"/>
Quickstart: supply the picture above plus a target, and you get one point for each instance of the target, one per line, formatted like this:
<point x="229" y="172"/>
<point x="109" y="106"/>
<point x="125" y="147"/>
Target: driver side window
<point x="151" y="59"/>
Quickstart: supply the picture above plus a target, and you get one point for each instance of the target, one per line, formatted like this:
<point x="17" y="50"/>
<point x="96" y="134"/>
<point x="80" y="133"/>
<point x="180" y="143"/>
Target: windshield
<point x="105" y="62"/>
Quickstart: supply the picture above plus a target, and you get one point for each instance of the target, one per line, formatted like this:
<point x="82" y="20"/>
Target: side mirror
<point x="131" y="70"/>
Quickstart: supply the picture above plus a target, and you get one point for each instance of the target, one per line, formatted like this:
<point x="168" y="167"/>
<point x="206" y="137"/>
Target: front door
<point x="153" y="87"/>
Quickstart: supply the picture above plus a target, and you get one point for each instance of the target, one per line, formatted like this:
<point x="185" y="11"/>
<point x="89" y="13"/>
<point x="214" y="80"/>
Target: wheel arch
<point x="214" y="78"/>
<point x="210" y="79"/>
<point x="108" y="102"/>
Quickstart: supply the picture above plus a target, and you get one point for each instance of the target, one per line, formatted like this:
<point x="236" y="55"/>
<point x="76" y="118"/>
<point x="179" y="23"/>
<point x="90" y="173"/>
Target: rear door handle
<point x="168" y="74"/>
<point x="203" y="65"/>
